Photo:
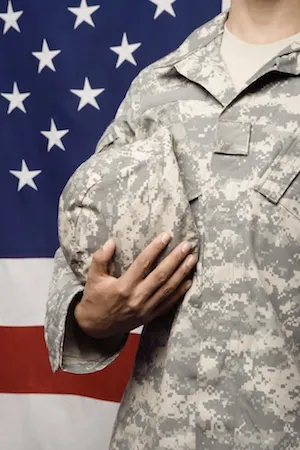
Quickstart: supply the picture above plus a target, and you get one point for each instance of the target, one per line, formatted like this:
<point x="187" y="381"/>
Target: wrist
<point x="84" y="321"/>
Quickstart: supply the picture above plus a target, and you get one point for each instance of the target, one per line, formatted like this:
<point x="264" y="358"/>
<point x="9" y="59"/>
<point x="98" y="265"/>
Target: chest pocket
<point x="280" y="183"/>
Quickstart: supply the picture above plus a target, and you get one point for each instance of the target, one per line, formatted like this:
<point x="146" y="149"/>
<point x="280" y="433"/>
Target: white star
<point x="125" y="51"/>
<point x="45" y="57"/>
<point x="16" y="99"/>
<point x="163" y="6"/>
<point x="87" y="95"/>
<point x="54" y="136"/>
<point x="84" y="13"/>
<point x="25" y="176"/>
<point x="11" y="18"/>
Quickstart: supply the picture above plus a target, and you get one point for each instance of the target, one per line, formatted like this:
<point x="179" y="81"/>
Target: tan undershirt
<point x="243" y="60"/>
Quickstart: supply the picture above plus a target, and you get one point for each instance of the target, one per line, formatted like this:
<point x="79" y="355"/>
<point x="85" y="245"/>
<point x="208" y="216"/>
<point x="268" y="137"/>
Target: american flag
<point x="65" y="67"/>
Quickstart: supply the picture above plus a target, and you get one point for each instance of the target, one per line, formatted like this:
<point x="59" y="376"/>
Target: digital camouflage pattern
<point x="223" y="372"/>
<point x="131" y="195"/>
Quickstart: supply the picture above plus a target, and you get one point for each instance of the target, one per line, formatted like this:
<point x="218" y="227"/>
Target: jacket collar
<point x="199" y="60"/>
<point x="199" y="39"/>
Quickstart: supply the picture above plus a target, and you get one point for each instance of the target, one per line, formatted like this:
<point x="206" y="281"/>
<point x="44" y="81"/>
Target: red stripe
<point x="25" y="368"/>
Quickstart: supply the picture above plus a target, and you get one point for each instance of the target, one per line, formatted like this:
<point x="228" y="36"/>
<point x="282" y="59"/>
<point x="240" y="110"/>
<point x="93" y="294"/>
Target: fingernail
<point x="166" y="237"/>
<point x="186" y="246"/>
<point x="107" y="244"/>
<point x="191" y="261"/>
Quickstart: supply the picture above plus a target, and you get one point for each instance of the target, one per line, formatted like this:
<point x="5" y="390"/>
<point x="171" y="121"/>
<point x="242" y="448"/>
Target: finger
<point x="103" y="256"/>
<point x="164" y="274"/>
<point x="145" y="260"/>
<point x="174" y="299"/>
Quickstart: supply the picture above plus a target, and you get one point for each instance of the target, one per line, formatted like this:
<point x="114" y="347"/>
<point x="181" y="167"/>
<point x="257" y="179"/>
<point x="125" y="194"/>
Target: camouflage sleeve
<point x="69" y="348"/>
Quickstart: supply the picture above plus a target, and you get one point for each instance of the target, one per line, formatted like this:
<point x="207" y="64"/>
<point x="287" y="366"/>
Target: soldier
<point x="223" y="371"/>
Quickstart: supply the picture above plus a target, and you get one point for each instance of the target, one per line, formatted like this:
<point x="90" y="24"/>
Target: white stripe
<point x="47" y="422"/>
<point x="24" y="289"/>
<point x="225" y="4"/>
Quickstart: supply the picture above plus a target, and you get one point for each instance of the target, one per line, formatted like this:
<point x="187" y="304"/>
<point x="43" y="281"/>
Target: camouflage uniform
<point x="224" y="373"/>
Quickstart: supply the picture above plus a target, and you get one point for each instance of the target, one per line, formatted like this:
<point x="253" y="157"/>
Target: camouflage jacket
<point x="224" y="372"/>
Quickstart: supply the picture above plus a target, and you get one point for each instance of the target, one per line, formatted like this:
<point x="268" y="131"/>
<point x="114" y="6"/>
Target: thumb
<point x="103" y="257"/>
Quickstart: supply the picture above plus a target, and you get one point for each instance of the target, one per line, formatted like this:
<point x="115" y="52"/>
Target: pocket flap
<point x="233" y="138"/>
<point x="281" y="173"/>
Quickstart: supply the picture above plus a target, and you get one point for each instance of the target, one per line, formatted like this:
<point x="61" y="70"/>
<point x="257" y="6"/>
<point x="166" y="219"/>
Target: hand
<point x="112" y="306"/>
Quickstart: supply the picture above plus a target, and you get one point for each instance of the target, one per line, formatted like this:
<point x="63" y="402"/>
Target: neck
<point x="264" y="21"/>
